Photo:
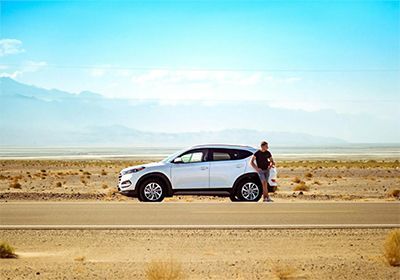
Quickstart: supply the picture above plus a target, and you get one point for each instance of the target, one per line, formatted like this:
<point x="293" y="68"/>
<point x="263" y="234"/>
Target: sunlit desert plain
<point x="199" y="253"/>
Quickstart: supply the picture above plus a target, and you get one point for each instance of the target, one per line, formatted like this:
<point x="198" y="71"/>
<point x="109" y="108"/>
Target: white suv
<point x="222" y="170"/>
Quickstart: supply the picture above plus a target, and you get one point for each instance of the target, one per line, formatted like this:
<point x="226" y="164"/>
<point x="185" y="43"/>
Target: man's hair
<point x="263" y="143"/>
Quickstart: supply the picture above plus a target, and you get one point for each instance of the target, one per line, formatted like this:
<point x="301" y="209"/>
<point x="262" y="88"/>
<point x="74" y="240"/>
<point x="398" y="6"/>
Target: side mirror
<point x="178" y="160"/>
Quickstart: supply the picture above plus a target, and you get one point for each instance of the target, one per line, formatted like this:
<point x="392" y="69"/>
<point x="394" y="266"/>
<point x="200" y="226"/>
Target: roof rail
<point x="221" y="145"/>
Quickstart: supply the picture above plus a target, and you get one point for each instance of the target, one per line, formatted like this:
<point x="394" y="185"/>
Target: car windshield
<point x="174" y="155"/>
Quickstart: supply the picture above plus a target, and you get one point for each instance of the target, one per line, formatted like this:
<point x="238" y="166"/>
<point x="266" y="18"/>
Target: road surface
<point x="92" y="215"/>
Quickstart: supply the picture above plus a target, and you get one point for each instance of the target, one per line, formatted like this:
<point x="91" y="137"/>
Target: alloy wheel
<point x="250" y="191"/>
<point x="152" y="191"/>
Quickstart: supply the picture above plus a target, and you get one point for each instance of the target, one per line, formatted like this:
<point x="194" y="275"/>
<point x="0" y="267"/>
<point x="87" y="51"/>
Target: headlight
<point x="133" y="170"/>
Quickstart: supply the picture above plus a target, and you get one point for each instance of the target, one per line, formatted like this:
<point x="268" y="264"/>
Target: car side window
<point x="219" y="155"/>
<point x="192" y="157"/>
<point x="241" y="154"/>
<point x="229" y="154"/>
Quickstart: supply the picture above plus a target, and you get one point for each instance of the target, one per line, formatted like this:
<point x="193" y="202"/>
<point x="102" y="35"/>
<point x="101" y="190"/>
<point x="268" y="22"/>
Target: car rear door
<point x="193" y="172"/>
<point x="226" y="165"/>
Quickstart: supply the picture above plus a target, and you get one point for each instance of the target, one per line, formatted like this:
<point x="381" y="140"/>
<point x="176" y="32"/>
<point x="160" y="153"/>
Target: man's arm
<point x="272" y="162"/>
<point x="252" y="163"/>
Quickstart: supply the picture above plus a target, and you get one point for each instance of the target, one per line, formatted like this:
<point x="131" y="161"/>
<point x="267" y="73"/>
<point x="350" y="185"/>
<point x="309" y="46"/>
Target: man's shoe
<point x="268" y="200"/>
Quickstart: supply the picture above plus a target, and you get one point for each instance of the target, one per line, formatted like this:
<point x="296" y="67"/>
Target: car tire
<point x="152" y="190"/>
<point x="249" y="190"/>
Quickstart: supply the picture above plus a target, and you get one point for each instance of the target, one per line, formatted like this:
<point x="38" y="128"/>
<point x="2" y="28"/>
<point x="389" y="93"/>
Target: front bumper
<point x="127" y="183"/>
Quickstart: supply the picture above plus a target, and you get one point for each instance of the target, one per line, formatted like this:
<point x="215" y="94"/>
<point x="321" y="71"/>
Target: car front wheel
<point x="152" y="190"/>
<point x="249" y="191"/>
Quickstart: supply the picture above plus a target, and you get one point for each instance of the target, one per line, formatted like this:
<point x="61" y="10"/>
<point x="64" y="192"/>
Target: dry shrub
<point x="308" y="175"/>
<point x="317" y="183"/>
<point x="104" y="186"/>
<point x="58" y="184"/>
<point x="284" y="272"/>
<point x="301" y="187"/>
<point x="164" y="270"/>
<point x="392" y="248"/>
<point x="15" y="185"/>
<point x="296" y="180"/>
<point x="113" y="194"/>
<point x="395" y="193"/>
<point x="7" y="251"/>
<point x="80" y="259"/>
<point x="16" y="178"/>
<point x="103" y="172"/>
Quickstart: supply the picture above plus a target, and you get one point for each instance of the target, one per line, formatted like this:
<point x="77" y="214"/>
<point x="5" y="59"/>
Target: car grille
<point x="119" y="178"/>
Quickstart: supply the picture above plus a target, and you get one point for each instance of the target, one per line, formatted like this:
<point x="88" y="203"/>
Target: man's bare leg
<point x="265" y="189"/>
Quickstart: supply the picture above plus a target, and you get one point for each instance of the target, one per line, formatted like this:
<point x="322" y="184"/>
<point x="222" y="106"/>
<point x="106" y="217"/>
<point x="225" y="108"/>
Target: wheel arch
<point x="251" y="175"/>
<point x="159" y="176"/>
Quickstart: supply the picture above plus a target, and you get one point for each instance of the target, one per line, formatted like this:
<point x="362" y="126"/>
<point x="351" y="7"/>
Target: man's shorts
<point x="264" y="174"/>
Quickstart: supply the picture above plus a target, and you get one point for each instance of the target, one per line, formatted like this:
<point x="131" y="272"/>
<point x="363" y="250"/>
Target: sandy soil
<point x="202" y="254"/>
<point x="96" y="180"/>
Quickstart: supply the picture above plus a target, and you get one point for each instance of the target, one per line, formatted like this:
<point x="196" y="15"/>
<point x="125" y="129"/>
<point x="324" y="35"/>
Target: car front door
<point x="191" y="170"/>
<point x="225" y="167"/>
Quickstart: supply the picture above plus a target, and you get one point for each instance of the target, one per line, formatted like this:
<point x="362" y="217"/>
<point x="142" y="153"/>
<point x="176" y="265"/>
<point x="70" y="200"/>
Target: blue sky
<point x="301" y="55"/>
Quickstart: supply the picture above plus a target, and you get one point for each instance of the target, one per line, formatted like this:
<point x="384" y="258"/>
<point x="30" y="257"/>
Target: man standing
<point x="264" y="161"/>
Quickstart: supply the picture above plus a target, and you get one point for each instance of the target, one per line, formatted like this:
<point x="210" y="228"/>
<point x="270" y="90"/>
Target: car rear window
<point x="229" y="154"/>
<point x="241" y="154"/>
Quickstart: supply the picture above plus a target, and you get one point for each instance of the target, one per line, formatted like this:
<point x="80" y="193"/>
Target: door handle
<point x="204" y="168"/>
<point x="239" y="166"/>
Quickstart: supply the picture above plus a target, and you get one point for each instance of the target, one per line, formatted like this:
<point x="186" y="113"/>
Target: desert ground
<point x="298" y="180"/>
<point x="349" y="253"/>
<point x="198" y="254"/>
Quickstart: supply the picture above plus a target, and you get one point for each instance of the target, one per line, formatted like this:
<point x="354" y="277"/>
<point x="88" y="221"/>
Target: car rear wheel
<point x="249" y="191"/>
<point x="152" y="190"/>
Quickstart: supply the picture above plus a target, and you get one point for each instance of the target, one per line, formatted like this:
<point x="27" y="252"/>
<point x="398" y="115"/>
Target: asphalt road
<point x="44" y="215"/>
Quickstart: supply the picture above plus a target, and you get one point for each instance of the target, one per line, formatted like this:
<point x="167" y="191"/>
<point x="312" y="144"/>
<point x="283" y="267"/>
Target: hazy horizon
<point x="59" y="118"/>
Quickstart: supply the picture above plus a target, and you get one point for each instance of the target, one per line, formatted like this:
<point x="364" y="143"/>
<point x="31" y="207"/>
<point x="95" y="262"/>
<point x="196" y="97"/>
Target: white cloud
<point x="34" y="66"/>
<point x="100" y="71"/>
<point x="12" y="75"/>
<point x="285" y="80"/>
<point x="28" y="67"/>
<point x="97" y="72"/>
<point x="167" y="84"/>
<point x="240" y="78"/>
<point x="10" y="46"/>
<point x="305" y="105"/>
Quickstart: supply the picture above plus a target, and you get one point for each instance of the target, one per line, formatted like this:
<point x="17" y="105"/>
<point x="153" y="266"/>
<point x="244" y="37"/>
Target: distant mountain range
<point x="32" y="116"/>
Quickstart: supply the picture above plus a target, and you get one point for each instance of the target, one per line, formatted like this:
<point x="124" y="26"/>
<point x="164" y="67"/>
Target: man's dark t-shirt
<point x="262" y="159"/>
